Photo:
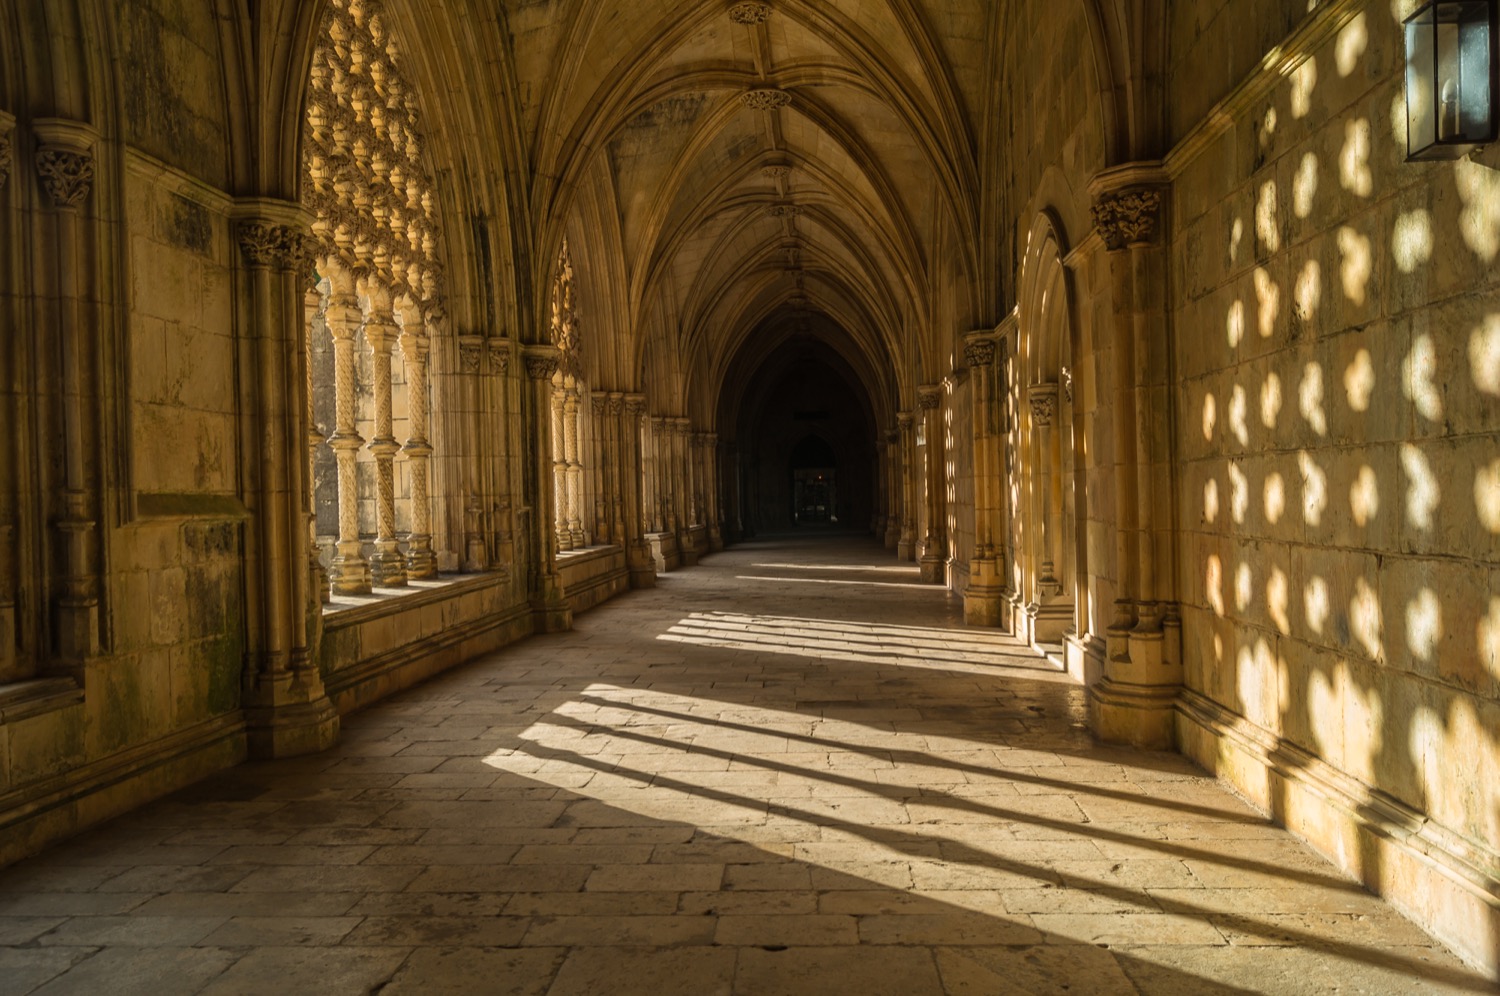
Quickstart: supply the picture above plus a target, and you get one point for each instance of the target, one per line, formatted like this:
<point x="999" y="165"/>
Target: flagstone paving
<point x="789" y="770"/>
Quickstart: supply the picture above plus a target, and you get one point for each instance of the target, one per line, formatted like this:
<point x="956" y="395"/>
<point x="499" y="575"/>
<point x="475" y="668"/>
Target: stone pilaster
<point x="712" y="491"/>
<point x="933" y="562"/>
<point x="287" y="710"/>
<point x="906" y="544"/>
<point x="637" y="492"/>
<point x="1134" y="702"/>
<point x="65" y="167"/>
<point x="984" y="596"/>
<point x="548" y="604"/>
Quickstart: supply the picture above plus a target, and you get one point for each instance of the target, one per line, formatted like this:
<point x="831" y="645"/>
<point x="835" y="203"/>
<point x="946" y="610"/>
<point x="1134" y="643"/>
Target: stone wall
<point x="1338" y="355"/>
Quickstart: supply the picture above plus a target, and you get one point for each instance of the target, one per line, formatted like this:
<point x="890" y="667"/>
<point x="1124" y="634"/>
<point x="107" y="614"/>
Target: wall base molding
<point x="1449" y="884"/>
<point x="43" y="812"/>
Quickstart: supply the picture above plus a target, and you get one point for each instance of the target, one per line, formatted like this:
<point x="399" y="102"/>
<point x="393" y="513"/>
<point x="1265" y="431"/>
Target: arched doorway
<point x="814" y="472"/>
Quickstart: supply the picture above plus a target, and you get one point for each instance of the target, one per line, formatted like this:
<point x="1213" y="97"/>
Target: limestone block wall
<point x="1337" y="323"/>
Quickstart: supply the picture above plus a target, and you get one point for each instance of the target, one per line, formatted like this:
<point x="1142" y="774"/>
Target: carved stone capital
<point x="1127" y="218"/>
<point x="749" y="13"/>
<point x="66" y="174"/>
<point x="635" y="404"/>
<point x="776" y="172"/>
<point x="598" y="405"/>
<point x="541" y="362"/>
<point x="470" y="350"/>
<point x="616" y="404"/>
<point x="905" y="419"/>
<point x="262" y="244"/>
<point x="499" y="355"/>
<point x="1043" y="398"/>
<point x="929" y="397"/>
<point x="766" y="99"/>
<point x="979" y="352"/>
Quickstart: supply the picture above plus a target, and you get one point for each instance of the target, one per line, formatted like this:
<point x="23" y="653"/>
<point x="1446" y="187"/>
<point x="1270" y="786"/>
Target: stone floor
<point x="790" y="770"/>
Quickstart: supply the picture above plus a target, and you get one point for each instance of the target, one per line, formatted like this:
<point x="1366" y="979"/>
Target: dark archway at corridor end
<point x="802" y="415"/>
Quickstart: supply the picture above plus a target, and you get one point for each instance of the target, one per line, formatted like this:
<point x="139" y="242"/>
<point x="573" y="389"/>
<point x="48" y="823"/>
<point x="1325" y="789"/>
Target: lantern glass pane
<point x="1476" y="107"/>
<point x="1421" y="74"/>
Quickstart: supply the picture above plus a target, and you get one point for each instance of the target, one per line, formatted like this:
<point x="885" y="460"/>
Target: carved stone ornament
<point x="1127" y="218"/>
<point x="262" y="244"/>
<point x="616" y="404"/>
<point x="1043" y="404"/>
<point x="905" y="419"/>
<point x="929" y="398"/>
<point x="749" y="13"/>
<point x="766" y="99"/>
<point x="468" y="357"/>
<point x="635" y="405"/>
<point x="775" y="172"/>
<point x="785" y="211"/>
<point x="980" y="353"/>
<point x="5" y="154"/>
<point x="541" y="367"/>
<point x="68" y="176"/>
<point x="500" y="355"/>
<point x="598" y="405"/>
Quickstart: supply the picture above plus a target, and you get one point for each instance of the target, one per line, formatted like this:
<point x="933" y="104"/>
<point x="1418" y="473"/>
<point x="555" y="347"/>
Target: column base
<point x="292" y="717"/>
<point x="351" y="576"/>
<point x="1137" y="715"/>
<point x="388" y="570"/>
<point x="642" y="567"/>
<point x="984" y="596"/>
<point x="550" y="612"/>
<point x="715" y="539"/>
<point x="906" y="549"/>
<point x="934" y="570"/>
<point x="421" y="562"/>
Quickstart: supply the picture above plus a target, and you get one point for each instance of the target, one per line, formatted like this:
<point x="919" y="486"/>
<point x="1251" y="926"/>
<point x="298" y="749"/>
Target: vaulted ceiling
<point x="732" y="174"/>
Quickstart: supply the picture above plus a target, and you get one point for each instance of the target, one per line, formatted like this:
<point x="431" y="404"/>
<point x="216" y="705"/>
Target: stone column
<point x="313" y="303"/>
<point x="351" y="572"/>
<point x="499" y="415"/>
<point x="287" y="710"/>
<point x="934" y="552"/>
<point x="387" y="565"/>
<point x="1043" y="401"/>
<point x="891" y="467"/>
<point x="558" y="403"/>
<point x="600" y="466"/>
<point x="651" y="519"/>
<point x="906" y="545"/>
<point x="10" y="557"/>
<point x="637" y="489"/>
<point x="1134" y="701"/>
<point x="65" y="165"/>
<point x="548" y="604"/>
<point x="619" y="461"/>
<point x="711" y="477"/>
<point x="471" y="366"/>
<point x="982" y="599"/>
<point x="421" y="562"/>
<point x="571" y="453"/>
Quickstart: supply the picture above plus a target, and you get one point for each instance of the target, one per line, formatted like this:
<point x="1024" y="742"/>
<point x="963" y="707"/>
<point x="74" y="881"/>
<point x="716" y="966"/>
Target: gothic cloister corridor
<point x="790" y="770"/>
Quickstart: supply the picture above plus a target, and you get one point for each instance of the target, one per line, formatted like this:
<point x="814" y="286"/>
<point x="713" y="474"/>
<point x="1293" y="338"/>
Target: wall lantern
<point x="1450" y="82"/>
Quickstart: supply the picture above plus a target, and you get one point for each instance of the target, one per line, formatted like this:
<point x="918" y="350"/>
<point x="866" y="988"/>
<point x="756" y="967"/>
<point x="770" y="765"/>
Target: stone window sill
<point x="24" y="699"/>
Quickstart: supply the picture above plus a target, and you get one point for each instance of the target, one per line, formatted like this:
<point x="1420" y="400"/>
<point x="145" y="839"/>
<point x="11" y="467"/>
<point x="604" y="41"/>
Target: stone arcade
<point x="1044" y="387"/>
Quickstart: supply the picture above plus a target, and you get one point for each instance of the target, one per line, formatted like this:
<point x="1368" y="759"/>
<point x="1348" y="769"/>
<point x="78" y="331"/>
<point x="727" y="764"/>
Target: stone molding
<point x="766" y="99"/>
<point x="750" y="13"/>
<point x="1128" y="218"/>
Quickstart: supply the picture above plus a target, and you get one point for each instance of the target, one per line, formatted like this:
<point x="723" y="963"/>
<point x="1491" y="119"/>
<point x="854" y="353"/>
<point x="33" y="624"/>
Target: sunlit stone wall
<point x="1338" y="354"/>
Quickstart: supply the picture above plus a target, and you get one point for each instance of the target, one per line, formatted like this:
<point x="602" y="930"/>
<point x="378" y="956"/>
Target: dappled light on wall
<point x="1359" y="381"/>
<point x="1422" y="491"/>
<point x="1354" y="271"/>
<point x="1424" y="625"/>
<point x="1310" y="399"/>
<point x="1364" y="496"/>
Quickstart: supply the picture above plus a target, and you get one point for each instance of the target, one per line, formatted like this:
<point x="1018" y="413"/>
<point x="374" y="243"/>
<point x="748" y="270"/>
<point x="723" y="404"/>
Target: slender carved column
<point x="14" y="508"/>
<point x="712" y="465"/>
<point x="351" y="572"/>
<point x="558" y="401"/>
<point x="934" y="554"/>
<point x="906" y="546"/>
<point x="387" y="565"/>
<point x="65" y="165"/>
<point x="892" y="468"/>
<point x="313" y="302"/>
<point x="651" y="521"/>
<point x="619" y="459"/>
<point x="421" y="562"/>
<point x="549" y="606"/>
<point x="598" y="473"/>
<point x="571" y="453"/>
<point x="7" y="125"/>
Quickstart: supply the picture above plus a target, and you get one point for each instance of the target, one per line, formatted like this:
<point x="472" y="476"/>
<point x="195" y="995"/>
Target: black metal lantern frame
<point x="1450" y="78"/>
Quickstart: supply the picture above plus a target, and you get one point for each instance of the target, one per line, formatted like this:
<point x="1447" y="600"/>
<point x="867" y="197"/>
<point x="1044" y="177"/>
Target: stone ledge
<point x="365" y="608"/>
<point x="24" y="699"/>
<point x="1447" y="883"/>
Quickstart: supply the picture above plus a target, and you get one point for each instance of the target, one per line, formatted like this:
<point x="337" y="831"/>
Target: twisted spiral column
<point x="416" y="346"/>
